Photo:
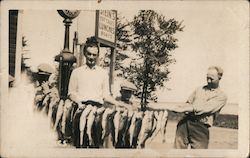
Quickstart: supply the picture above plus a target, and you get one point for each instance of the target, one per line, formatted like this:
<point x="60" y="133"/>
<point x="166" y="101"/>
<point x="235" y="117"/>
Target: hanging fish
<point x="135" y="128"/>
<point x="90" y="121"/>
<point x="59" y="113"/>
<point x="66" y="114"/>
<point x="83" y="121"/>
<point x="164" y="125"/>
<point x="158" y="116"/>
<point x="147" y="128"/>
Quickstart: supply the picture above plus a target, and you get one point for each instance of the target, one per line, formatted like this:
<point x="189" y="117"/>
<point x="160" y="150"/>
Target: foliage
<point x="151" y="38"/>
<point x="123" y="34"/>
<point x="223" y="120"/>
<point x="24" y="41"/>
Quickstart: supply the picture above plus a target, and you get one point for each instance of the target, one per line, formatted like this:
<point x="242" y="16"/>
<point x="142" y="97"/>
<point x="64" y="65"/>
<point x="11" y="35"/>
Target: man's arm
<point x="188" y="106"/>
<point x="182" y="107"/>
<point x="73" y="87"/>
<point x="106" y="93"/>
<point x="211" y="106"/>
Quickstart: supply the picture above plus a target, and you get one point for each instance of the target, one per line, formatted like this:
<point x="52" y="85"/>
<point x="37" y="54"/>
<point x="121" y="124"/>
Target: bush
<point x="227" y="121"/>
<point x="222" y="120"/>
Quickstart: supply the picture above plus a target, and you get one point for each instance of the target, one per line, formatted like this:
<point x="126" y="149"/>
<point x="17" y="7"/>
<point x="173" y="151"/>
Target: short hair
<point x="218" y="69"/>
<point x="91" y="42"/>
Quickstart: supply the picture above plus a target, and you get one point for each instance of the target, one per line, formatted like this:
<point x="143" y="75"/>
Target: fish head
<point x="165" y="114"/>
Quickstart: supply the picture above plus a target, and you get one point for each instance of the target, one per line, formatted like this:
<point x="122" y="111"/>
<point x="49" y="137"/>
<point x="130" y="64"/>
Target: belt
<point x="196" y="119"/>
<point x="91" y="102"/>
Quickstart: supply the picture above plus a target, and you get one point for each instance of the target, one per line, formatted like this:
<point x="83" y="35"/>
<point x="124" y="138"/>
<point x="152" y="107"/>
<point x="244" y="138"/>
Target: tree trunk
<point x="145" y="86"/>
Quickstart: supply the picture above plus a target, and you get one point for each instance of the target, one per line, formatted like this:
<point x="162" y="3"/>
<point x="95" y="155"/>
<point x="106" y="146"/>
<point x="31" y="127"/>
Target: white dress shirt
<point x="89" y="84"/>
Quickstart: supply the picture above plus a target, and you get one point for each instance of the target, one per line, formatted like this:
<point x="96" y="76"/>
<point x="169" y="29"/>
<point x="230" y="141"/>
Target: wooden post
<point x="80" y="60"/>
<point x="112" y="69"/>
<point x="67" y="23"/>
<point x="75" y="43"/>
<point x="76" y="51"/>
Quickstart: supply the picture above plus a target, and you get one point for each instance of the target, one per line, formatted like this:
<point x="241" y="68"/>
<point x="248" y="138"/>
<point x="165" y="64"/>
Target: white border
<point x="243" y="139"/>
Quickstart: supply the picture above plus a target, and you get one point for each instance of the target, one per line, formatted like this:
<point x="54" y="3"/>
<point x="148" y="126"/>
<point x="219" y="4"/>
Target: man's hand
<point x="81" y="106"/>
<point x="46" y="88"/>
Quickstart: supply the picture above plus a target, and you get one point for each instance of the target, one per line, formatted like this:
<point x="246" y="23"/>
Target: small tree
<point x="150" y="38"/>
<point x="153" y="41"/>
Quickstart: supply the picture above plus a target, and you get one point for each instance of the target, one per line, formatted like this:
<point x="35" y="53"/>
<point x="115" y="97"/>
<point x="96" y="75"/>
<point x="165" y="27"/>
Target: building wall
<point x="13" y="19"/>
<point x="15" y="44"/>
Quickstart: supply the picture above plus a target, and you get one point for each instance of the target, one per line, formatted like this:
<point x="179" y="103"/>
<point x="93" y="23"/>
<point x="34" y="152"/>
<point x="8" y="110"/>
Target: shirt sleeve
<point x="73" y="87"/>
<point x="105" y="86"/>
<point x="211" y="106"/>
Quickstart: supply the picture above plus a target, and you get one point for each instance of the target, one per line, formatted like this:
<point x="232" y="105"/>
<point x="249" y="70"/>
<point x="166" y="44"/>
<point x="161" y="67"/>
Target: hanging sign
<point x="106" y="21"/>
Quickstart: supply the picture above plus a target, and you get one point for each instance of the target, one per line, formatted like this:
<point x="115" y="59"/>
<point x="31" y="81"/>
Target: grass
<point x="223" y="120"/>
<point x="227" y="121"/>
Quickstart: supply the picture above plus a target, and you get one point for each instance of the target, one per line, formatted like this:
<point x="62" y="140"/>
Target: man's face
<point x="126" y="94"/>
<point x="213" y="78"/>
<point x="91" y="55"/>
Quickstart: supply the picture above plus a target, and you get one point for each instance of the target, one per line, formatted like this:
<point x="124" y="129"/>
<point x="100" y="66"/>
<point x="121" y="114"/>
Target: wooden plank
<point x="12" y="50"/>
<point x="12" y="40"/>
<point x="12" y="45"/>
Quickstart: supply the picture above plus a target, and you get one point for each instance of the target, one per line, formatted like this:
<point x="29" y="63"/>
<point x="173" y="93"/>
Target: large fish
<point x="59" y="113"/>
<point x="105" y="117"/>
<point x="39" y="96"/>
<point x="90" y="121"/>
<point x="164" y="125"/>
<point x="45" y="103"/>
<point x="147" y="128"/>
<point x="116" y="120"/>
<point x="83" y="121"/>
<point x="97" y="127"/>
<point x="126" y="134"/>
<point x="158" y="116"/>
<point x="53" y="102"/>
<point x="66" y="114"/>
<point x="135" y="128"/>
<point x="122" y="128"/>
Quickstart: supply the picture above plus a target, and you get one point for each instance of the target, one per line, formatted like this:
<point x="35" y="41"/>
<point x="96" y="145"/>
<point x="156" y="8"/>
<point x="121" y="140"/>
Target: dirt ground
<point x="220" y="138"/>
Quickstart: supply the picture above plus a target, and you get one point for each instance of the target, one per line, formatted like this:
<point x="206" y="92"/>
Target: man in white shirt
<point x="88" y="85"/>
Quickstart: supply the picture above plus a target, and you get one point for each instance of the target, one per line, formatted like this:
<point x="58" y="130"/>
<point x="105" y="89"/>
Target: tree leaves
<point x="151" y="37"/>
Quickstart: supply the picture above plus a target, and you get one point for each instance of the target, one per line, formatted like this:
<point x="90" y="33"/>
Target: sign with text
<point x="106" y="26"/>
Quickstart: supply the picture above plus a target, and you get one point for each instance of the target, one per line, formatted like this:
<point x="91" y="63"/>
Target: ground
<point x="27" y="132"/>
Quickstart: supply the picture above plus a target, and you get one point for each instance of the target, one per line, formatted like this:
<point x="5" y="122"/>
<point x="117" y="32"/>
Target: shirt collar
<point x="87" y="67"/>
<point x="211" y="89"/>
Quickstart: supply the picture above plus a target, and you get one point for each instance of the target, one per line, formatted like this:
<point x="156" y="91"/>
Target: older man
<point x="201" y="109"/>
<point x="88" y="86"/>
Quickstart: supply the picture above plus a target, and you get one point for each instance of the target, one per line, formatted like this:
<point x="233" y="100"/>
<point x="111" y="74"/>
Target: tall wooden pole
<point x="112" y="69"/>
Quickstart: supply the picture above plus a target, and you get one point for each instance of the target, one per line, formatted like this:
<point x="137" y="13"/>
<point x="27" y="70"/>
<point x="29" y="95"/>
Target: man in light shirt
<point x="89" y="85"/>
<point x="201" y="109"/>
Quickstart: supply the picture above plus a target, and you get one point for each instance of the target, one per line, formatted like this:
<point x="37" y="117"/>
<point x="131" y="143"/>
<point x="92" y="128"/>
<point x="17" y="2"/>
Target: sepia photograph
<point x="124" y="79"/>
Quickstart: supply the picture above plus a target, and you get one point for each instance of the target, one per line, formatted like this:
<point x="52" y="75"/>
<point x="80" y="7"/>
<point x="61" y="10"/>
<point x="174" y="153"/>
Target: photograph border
<point x="243" y="131"/>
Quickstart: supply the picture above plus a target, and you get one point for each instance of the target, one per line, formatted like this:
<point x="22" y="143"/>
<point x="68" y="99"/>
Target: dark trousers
<point x="191" y="132"/>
